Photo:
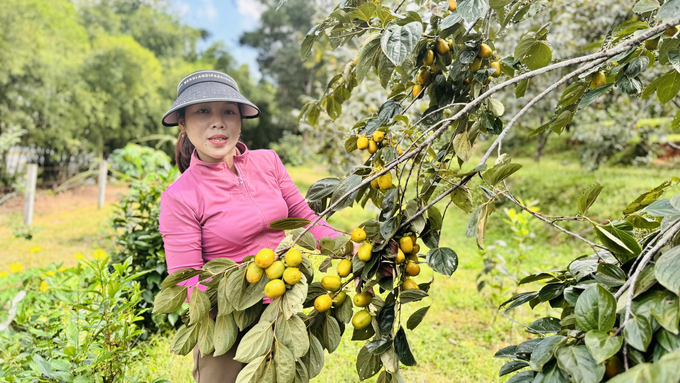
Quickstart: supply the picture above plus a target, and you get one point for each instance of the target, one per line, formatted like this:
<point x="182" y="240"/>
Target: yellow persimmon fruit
<point x="339" y="298"/>
<point x="400" y="256"/>
<point x="363" y="299"/>
<point x="344" y="268"/>
<point x="292" y="275"/>
<point x="264" y="258"/>
<point x="254" y="273"/>
<point x="412" y="268"/>
<point x="275" y="271"/>
<point x="323" y="303"/>
<point x="399" y="150"/>
<point x="409" y="284"/>
<point x="385" y="181"/>
<point x="424" y="77"/>
<point x="365" y="251"/>
<point x="331" y="283"/>
<point x="476" y="64"/>
<point x="612" y="366"/>
<point x="652" y="44"/>
<point x="361" y="319"/>
<point x="417" y="89"/>
<point x="358" y="235"/>
<point x="293" y="258"/>
<point x="406" y="244"/>
<point x="599" y="79"/>
<point x="485" y="51"/>
<point x="452" y="5"/>
<point x="442" y="47"/>
<point x="497" y="65"/>
<point x="274" y="289"/>
<point x="374" y="184"/>
<point x="671" y="31"/>
<point x="416" y="249"/>
<point x="362" y="143"/>
<point x="372" y="146"/>
<point x="428" y="59"/>
<point x="378" y="136"/>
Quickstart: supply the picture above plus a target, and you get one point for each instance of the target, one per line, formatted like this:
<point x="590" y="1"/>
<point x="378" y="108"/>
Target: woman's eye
<point x="229" y="111"/>
<point x="202" y="110"/>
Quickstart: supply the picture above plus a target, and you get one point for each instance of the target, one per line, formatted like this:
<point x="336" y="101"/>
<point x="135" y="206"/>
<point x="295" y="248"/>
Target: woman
<point x="227" y="195"/>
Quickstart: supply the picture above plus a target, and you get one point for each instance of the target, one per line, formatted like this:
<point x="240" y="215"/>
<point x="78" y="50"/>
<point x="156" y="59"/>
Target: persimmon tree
<point x="445" y="54"/>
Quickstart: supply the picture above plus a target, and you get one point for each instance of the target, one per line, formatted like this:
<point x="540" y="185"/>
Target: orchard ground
<point x="462" y="330"/>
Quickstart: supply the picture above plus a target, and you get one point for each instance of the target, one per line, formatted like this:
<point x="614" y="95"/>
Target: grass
<point x="462" y="330"/>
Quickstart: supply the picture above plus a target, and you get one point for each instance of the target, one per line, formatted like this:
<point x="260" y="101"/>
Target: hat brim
<point x="209" y="92"/>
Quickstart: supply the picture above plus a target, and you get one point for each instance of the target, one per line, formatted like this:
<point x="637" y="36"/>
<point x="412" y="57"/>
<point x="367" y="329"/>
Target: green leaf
<point x="588" y="197"/>
<point x="385" y="318"/>
<point x="379" y="346"/>
<point x="644" y="6"/>
<point x="622" y="244"/>
<point x="206" y="331"/>
<point x="285" y="363"/>
<point x="331" y="334"/>
<point x="669" y="10"/>
<point x="538" y="56"/>
<point x="367" y="56"/>
<point x="593" y="95"/>
<point x="649" y="197"/>
<point x="667" y="270"/>
<point x="610" y="275"/>
<point x="443" y="260"/>
<point x="521" y="88"/>
<point x="185" y="339"/>
<point x="344" y="312"/>
<point x="292" y="333"/>
<point x="409" y="296"/>
<point x="223" y="304"/>
<point x="402" y="348"/>
<point x="417" y="317"/>
<point x="252" y="371"/>
<point x="179" y="276"/>
<point x="255" y="343"/>
<point x="316" y="356"/>
<point x="170" y="299"/>
<point x="398" y="41"/>
<point x="545" y="325"/>
<point x="512" y="366"/>
<point x="288" y="224"/>
<point x="345" y="186"/>
<point x="666" y="310"/>
<point x="500" y="172"/>
<point x="219" y="265"/>
<point x="225" y="334"/>
<point x="551" y="374"/>
<point x="450" y="20"/>
<point x="463" y="199"/>
<point x="595" y="309"/>
<point x="471" y="10"/>
<point x="601" y="345"/>
<point x="522" y="377"/>
<point x="518" y="300"/>
<point x="367" y="364"/>
<point x="544" y="352"/>
<point x="638" y="332"/>
<point x="199" y="306"/>
<point x="293" y="299"/>
<point x="580" y="365"/>
<point x="668" y="88"/>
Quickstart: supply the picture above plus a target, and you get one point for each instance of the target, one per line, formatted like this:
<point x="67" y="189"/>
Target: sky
<point x="225" y="20"/>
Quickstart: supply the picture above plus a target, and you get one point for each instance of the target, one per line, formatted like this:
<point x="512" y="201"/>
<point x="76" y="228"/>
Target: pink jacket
<point x="210" y="212"/>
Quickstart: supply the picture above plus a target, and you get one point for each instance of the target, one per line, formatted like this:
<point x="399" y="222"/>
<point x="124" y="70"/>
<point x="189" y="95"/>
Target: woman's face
<point x="213" y="128"/>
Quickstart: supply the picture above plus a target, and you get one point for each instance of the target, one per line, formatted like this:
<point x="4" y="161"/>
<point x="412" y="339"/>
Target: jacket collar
<point x="219" y="167"/>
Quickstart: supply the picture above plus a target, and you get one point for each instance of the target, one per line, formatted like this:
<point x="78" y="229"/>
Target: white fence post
<point x="103" y="170"/>
<point x="29" y="196"/>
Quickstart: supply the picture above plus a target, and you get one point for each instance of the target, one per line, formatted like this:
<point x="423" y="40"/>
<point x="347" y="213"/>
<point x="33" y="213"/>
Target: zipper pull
<point x="240" y="180"/>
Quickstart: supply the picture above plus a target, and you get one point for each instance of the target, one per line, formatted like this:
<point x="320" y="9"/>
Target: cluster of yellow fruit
<point x="265" y="263"/>
<point x="376" y="141"/>
<point x="408" y="245"/>
<point x="443" y="48"/>
<point x="485" y="52"/>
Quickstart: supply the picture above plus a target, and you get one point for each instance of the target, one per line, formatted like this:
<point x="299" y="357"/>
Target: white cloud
<point x="209" y="11"/>
<point x="180" y="8"/>
<point x="250" y="8"/>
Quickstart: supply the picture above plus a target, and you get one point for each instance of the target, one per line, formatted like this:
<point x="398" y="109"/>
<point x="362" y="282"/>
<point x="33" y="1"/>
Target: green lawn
<point x="462" y="330"/>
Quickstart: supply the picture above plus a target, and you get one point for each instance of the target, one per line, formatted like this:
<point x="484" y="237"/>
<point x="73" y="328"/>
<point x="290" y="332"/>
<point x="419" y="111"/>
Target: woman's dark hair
<point x="184" y="148"/>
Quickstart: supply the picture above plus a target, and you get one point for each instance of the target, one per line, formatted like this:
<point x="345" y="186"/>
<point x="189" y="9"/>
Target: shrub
<point x="76" y="324"/>
<point x="137" y="161"/>
<point x="136" y="222"/>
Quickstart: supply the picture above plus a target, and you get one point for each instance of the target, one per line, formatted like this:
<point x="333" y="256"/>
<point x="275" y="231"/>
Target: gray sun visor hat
<point x="208" y="86"/>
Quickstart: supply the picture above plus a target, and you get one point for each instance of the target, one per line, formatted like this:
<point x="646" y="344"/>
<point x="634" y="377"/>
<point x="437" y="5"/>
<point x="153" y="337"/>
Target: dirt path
<point x="63" y="225"/>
